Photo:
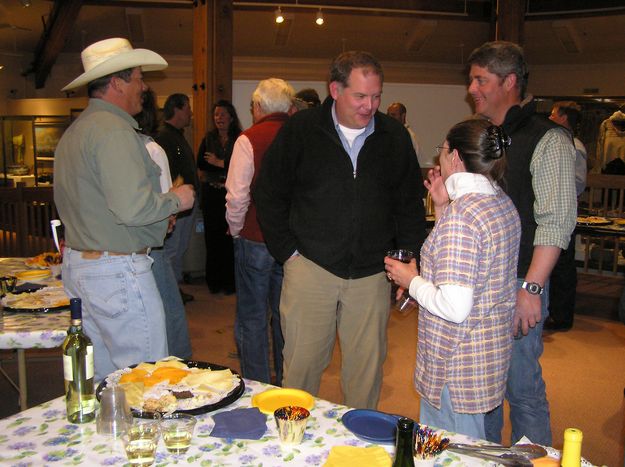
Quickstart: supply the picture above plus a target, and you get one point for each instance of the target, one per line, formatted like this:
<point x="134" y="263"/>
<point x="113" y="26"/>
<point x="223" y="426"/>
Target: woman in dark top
<point x="212" y="163"/>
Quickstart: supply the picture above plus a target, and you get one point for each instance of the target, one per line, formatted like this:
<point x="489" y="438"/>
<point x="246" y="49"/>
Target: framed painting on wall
<point x="47" y="136"/>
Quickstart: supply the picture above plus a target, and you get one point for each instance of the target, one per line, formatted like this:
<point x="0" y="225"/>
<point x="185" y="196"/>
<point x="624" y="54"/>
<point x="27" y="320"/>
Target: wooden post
<point x="21" y="226"/>
<point x="212" y="60"/>
<point x="509" y="21"/>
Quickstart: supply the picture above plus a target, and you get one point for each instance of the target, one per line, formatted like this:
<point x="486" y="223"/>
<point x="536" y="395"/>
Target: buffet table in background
<point x="601" y="239"/>
<point x="21" y="331"/>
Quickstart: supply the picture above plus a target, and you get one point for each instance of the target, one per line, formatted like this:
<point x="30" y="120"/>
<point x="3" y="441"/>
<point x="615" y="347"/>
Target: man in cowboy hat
<point x="107" y="193"/>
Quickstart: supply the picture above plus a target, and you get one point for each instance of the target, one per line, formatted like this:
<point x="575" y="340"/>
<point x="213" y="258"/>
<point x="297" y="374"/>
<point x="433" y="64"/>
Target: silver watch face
<point x="533" y="288"/>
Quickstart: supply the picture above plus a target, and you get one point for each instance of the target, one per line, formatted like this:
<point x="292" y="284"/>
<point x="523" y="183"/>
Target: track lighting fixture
<point x="279" y="15"/>
<point x="319" y="19"/>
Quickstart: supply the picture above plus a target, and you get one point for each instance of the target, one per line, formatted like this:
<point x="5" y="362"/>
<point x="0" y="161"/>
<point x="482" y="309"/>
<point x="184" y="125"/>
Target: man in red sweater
<point x="258" y="276"/>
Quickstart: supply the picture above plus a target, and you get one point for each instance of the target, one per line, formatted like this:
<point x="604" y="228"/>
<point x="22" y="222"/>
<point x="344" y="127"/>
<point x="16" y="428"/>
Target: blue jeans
<point x="470" y="424"/>
<point x="258" y="279"/>
<point x="121" y="307"/>
<point x="177" y="242"/>
<point x="175" y="317"/>
<point x="525" y="389"/>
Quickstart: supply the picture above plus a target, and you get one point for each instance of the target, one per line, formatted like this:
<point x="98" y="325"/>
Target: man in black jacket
<point x="339" y="187"/>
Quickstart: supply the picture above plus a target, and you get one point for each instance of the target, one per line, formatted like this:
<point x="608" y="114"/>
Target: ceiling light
<point x="25" y="3"/>
<point x="319" y="19"/>
<point x="279" y="16"/>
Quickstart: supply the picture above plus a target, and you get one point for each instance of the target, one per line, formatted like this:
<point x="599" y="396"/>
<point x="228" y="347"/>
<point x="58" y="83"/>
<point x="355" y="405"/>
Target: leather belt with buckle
<point x="95" y="254"/>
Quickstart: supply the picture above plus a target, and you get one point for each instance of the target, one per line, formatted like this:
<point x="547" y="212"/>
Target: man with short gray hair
<point x="258" y="277"/>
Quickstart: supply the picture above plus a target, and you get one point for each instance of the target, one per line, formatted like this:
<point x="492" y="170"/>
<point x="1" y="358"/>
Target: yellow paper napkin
<point x="349" y="456"/>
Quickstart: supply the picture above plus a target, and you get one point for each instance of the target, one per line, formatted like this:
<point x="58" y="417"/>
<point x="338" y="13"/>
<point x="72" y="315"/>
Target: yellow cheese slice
<point x="207" y="380"/>
<point x="134" y="393"/>
<point x="33" y="275"/>
<point x="173" y="362"/>
<point x="148" y="367"/>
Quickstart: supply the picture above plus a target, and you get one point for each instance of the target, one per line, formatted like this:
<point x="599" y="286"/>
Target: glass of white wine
<point x="177" y="430"/>
<point x="405" y="256"/>
<point x="141" y="439"/>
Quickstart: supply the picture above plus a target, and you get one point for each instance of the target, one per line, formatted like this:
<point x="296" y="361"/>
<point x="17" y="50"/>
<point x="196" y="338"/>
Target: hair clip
<point x="497" y="141"/>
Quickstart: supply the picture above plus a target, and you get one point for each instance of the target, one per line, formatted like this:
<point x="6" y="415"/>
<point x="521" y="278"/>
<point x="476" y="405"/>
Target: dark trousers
<point x="563" y="284"/>
<point x="219" y="248"/>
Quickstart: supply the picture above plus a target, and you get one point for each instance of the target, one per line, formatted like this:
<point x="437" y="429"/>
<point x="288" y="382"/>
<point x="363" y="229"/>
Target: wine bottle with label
<point x="78" y="369"/>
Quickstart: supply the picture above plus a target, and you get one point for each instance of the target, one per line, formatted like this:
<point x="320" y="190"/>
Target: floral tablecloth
<point x="30" y="330"/>
<point x="42" y="436"/>
<point x="33" y="331"/>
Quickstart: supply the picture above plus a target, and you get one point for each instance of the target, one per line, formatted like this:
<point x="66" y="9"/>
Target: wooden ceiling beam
<point x="56" y="32"/>
<point x="143" y="3"/>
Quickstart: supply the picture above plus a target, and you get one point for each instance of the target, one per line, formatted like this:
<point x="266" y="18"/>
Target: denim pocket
<point x="107" y="293"/>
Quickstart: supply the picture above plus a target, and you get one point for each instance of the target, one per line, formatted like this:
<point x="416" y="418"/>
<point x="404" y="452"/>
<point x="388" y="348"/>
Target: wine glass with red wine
<point x="405" y="256"/>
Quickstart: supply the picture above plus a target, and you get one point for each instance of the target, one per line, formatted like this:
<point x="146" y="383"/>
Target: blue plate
<point x="371" y="425"/>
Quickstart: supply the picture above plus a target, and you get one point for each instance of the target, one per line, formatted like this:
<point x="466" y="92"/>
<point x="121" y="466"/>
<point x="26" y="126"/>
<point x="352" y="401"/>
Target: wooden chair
<point x="604" y="197"/>
<point x="25" y="215"/>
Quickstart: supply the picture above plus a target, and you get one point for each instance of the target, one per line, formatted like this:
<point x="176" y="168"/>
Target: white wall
<point x="242" y="94"/>
<point x="432" y="108"/>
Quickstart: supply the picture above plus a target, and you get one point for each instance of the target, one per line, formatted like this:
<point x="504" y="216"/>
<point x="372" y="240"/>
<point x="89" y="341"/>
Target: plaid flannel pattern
<point x="474" y="244"/>
<point x="553" y="181"/>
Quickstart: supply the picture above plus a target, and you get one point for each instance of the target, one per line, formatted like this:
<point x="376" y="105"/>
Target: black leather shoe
<point x="552" y="325"/>
<point x="186" y="297"/>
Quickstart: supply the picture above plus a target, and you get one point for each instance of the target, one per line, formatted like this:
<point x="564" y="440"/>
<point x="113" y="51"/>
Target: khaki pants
<point x="315" y="304"/>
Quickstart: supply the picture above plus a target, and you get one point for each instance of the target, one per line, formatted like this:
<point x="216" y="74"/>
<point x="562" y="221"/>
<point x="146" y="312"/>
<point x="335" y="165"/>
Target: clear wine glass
<point x="405" y="256"/>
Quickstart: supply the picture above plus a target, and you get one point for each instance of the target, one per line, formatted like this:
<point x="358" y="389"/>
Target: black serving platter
<point x="228" y="399"/>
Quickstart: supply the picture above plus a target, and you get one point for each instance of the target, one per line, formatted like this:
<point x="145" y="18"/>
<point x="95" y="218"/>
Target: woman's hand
<point x="212" y="159"/>
<point x="436" y="186"/>
<point x="400" y="273"/>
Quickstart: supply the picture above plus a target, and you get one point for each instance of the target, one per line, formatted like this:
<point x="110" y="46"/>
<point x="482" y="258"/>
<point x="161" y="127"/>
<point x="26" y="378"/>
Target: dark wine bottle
<point x="78" y="369"/>
<point x="404" y="443"/>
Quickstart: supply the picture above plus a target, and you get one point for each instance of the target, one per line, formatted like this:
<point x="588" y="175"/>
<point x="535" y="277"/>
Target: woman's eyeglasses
<point x="440" y="148"/>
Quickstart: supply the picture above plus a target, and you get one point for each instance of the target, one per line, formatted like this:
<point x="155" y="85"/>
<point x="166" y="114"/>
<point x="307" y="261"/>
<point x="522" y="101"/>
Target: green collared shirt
<point x="553" y="180"/>
<point x="106" y="186"/>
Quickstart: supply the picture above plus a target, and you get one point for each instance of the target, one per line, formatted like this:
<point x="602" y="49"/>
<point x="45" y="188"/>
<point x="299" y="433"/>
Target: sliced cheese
<point x="217" y="380"/>
<point x="134" y="393"/>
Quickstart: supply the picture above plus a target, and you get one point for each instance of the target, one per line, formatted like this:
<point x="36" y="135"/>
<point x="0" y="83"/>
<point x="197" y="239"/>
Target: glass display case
<point x="594" y="110"/>
<point x="28" y="145"/>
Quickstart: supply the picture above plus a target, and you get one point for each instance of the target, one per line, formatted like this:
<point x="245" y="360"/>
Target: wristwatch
<point x="533" y="288"/>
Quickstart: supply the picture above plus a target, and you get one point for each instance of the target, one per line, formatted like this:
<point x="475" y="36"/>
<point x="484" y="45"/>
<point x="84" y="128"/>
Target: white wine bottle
<point x="78" y="369"/>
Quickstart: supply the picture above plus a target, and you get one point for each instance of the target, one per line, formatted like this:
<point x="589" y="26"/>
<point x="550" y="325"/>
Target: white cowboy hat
<point x="110" y="55"/>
